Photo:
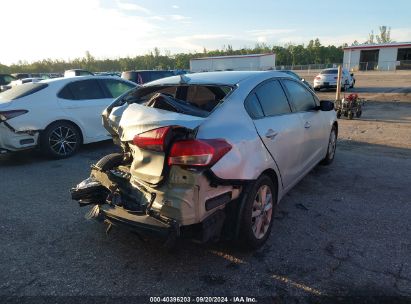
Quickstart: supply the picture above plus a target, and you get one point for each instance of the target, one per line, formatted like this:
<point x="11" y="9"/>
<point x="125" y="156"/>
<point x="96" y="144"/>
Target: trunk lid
<point x="136" y="119"/>
<point x="150" y="167"/>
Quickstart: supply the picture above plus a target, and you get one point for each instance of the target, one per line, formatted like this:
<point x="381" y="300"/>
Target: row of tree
<point x="290" y="54"/>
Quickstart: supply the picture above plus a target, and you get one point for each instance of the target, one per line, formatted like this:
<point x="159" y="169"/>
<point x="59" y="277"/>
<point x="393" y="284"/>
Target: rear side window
<point x="82" y="90"/>
<point x="301" y="99"/>
<point x="117" y="87"/>
<point x="253" y="107"/>
<point x="22" y="91"/>
<point x="272" y="98"/>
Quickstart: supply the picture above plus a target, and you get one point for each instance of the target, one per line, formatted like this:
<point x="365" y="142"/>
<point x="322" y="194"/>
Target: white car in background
<point x="328" y="79"/>
<point x="57" y="115"/>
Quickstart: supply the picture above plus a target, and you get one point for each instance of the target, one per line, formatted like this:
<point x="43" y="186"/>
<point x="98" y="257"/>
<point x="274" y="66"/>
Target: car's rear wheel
<point x="332" y="145"/>
<point x="258" y="213"/>
<point x="60" y="140"/>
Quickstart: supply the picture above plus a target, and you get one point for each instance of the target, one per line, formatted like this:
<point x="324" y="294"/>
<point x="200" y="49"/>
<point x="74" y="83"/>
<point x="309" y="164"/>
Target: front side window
<point x="272" y="98"/>
<point x="86" y="89"/>
<point x="301" y="99"/>
<point x="116" y="87"/>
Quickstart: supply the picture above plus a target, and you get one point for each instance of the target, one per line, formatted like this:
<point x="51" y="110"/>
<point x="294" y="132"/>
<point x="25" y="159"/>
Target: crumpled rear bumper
<point x="138" y="222"/>
<point x="11" y="140"/>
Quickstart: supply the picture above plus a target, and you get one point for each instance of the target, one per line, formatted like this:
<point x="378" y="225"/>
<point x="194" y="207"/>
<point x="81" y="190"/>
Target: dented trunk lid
<point x="148" y="167"/>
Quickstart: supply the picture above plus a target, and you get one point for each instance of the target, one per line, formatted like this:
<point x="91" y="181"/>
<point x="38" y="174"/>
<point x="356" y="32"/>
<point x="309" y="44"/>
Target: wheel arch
<point x="276" y="181"/>
<point x="335" y="124"/>
<point x="72" y="123"/>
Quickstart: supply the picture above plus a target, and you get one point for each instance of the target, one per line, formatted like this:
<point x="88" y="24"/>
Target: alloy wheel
<point x="261" y="214"/>
<point x="63" y="141"/>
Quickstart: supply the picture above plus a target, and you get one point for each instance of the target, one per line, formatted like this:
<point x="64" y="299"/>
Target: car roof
<point x="224" y="77"/>
<point x="71" y="78"/>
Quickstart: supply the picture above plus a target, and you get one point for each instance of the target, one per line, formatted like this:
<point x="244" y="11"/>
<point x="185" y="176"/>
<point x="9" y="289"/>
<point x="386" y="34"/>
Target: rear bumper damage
<point x="186" y="205"/>
<point x="12" y="140"/>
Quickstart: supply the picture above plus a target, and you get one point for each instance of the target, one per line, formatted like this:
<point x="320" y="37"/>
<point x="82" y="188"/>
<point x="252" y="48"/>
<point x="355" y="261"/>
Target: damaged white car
<point x="57" y="115"/>
<point x="208" y="155"/>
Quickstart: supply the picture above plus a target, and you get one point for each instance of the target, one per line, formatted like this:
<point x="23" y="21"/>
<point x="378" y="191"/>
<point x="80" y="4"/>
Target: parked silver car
<point x="208" y="155"/>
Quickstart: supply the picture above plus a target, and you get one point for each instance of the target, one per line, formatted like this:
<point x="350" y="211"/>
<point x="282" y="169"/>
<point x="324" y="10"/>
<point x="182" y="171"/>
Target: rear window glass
<point x="196" y="100"/>
<point x="334" y="71"/>
<point x="22" y="90"/>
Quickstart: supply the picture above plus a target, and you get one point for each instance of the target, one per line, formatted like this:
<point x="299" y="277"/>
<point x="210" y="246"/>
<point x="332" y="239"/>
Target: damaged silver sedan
<point x="208" y="156"/>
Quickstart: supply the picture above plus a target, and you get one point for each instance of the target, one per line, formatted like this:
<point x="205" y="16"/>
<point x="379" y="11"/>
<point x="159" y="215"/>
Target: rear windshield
<point x="196" y="100"/>
<point x="334" y="71"/>
<point x="21" y="91"/>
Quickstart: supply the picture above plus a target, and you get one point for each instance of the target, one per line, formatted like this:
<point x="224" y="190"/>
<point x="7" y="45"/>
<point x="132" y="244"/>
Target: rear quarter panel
<point x="248" y="157"/>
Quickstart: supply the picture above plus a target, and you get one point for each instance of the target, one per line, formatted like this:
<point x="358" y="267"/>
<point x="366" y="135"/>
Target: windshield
<point x="333" y="71"/>
<point x="21" y="91"/>
<point x="196" y="100"/>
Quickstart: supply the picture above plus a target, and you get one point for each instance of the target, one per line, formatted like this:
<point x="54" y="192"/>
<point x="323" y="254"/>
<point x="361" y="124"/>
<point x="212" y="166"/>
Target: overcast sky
<point x="66" y="29"/>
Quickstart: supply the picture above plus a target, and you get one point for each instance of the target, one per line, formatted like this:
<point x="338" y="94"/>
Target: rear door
<point x="85" y="100"/>
<point x="315" y="131"/>
<point x="280" y="130"/>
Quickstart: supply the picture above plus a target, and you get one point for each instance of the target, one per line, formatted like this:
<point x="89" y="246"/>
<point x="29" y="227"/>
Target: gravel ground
<point x="343" y="230"/>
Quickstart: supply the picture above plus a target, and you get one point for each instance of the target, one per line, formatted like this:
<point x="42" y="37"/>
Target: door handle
<point x="307" y="125"/>
<point x="271" y="134"/>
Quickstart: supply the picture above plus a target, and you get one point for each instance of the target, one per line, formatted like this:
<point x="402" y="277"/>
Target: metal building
<point x="251" y="62"/>
<point x="384" y="57"/>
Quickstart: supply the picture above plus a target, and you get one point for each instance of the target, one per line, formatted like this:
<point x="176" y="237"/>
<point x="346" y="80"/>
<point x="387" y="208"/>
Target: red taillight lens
<point x="318" y="77"/>
<point x="6" y="115"/>
<point x="152" y="140"/>
<point x="198" y="152"/>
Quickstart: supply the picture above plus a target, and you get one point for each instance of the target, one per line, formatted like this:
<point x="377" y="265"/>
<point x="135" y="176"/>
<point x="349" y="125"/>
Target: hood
<point x="133" y="119"/>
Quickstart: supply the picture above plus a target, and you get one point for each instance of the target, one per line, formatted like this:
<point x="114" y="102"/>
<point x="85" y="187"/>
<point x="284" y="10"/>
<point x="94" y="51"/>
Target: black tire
<point x="247" y="235"/>
<point x="60" y="140"/>
<point x="332" y="145"/>
<point x="350" y="115"/>
<point x="316" y="89"/>
<point x="110" y="161"/>
<point x="358" y="114"/>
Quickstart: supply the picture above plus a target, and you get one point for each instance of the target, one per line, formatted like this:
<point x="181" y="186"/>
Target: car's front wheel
<point x="60" y="140"/>
<point x="258" y="213"/>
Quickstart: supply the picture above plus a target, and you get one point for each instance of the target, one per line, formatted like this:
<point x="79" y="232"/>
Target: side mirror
<point x="326" y="105"/>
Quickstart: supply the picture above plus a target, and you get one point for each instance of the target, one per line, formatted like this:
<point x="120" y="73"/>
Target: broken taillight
<point x="154" y="140"/>
<point x="198" y="152"/>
